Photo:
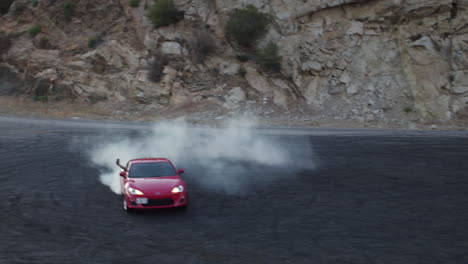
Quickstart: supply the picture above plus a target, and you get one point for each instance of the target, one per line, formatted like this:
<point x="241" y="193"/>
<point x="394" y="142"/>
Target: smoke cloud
<point x="228" y="159"/>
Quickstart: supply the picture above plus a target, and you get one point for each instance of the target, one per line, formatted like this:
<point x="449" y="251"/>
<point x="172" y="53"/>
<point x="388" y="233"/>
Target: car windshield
<point x="151" y="169"/>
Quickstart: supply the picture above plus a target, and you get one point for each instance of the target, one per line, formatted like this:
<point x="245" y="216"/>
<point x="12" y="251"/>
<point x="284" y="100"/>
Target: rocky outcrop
<point x="5" y="6"/>
<point x="363" y="60"/>
<point x="10" y="81"/>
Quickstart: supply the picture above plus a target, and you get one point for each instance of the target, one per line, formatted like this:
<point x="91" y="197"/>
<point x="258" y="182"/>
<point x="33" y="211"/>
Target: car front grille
<point x="159" y="202"/>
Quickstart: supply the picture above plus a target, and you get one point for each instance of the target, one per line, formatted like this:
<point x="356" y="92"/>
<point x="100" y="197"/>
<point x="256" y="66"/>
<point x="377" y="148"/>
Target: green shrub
<point x="40" y="98"/>
<point x="43" y="43"/>
<point x="68" y="10"/>
<point x="134" y="3"/>
<point x="408" y="109"/>
<point x="201" y="45"/>
<point x="94" y="41"/>
<point x="247" y="25"/>
<point x="34" y="30"/>
<point x="155" y="73"/>
<point x="242" y="72"/>
<point x="243" y="57"/>
<point x="164" y="13"/>
<point x="268" y="57"/>
<point x="34" y="3"/>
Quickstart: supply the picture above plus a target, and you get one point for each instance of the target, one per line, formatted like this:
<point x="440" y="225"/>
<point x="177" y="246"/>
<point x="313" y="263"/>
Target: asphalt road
<point x="381" y="197"/>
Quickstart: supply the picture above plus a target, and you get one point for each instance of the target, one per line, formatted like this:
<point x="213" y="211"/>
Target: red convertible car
<point x="152" y="183"/>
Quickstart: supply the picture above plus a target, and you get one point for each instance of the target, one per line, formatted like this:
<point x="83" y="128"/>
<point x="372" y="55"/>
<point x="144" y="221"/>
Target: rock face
<point x="5" y="6"/>
<point x="10" y="81"/>
<point x="362" y="60"/>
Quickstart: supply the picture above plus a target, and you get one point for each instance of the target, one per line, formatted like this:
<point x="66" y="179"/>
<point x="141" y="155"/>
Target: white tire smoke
<point x="223" y="156"/>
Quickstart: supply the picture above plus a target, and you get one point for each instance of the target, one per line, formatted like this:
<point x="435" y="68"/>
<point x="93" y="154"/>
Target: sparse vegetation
<point x="269" y="58"/>
<point x="34" y="3"/>
<point x="94" y="41"/>
<point x="215" y="71"/>
<point x="43" y="43"/>
<point x="164" y="13"/>
<point x="247" y="25"/>
<point x="68" y="10"/>
<point x="408" y="109"/>
<point x="155" y="73"/>
<point x="34" y="30"/>
<point x="5" y="42"/>
<point x="242" y="72"/>
<point x="201" y="45"/>
<point x="134" y="3"/>
<point x="19" y="8"/>
<point x="40" y="98"/>
<point x="243" y="57"/>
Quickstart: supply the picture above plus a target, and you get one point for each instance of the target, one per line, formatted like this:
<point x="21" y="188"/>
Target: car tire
<point x="128" y="210"/>
<point x="183" y="207"/>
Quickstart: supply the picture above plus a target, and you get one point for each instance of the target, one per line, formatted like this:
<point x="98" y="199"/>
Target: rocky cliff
<point x="363" y="60"/>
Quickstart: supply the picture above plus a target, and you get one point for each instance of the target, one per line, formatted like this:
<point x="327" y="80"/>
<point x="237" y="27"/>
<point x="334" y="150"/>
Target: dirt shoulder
<point x="204" y="115"/>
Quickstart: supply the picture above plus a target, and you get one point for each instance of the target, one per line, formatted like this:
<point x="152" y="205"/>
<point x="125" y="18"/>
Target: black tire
<point x="183" y="207"/>
<point x="128" y="210"/>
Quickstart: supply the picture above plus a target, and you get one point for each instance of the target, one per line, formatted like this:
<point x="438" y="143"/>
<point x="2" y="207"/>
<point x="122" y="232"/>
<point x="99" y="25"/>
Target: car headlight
<point x="178" y="189"/>
<point x="134" y="191"/>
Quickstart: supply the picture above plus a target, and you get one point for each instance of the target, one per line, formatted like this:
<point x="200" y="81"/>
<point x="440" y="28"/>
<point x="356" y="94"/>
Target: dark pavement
<point x="377" y="198"/>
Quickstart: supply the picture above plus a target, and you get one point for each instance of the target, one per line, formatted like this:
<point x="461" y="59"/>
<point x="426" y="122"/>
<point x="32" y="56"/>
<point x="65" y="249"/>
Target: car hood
<point x="160" y="184"/>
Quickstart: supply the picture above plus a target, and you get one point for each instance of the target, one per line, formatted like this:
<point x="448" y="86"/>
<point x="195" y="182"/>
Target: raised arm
<point x="118" y="164"/>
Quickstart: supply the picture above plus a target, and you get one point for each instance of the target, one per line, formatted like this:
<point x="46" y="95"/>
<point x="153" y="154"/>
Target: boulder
<point x="311" y="90"/>
<point x="154" y="93"/>
<point x="229" y="68"/>
<point x="257" y="81"/>
<point x="171" y="48"/>
<point x="352" y="89"/>
<point x="311" y="65"/>
<point x="234" y="97"/>
<point x="460" y="82"/>
<point x="11" y="82"/>
<point x="43" y="59"/>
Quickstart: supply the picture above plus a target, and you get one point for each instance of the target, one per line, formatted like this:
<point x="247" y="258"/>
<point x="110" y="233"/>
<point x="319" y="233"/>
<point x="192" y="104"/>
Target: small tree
<point x="155" y="73"/>
<point x="134" y="3"/>
<point x="94" y="41"/>
<point x="247" y="25"/>
<point x="43" y="43"/>
<point x="34" y="30"/>
<point x="408" y="109"/>
<point x="242" y="72"/>
<point x="68" y="10"/>
<point x="164" y="13"/>
<point x="201" y="45"/>
<point x="269" y="58"/>
<point x="243" y="57"/>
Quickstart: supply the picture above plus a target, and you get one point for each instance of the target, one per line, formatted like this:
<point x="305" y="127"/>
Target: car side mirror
<point x="180" y="171"/>
<point x="123" y="173"/>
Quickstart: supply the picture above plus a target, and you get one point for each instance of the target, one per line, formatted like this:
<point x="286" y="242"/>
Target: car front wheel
<point x="125" y="207"/>
<point x="183" y="207"/>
